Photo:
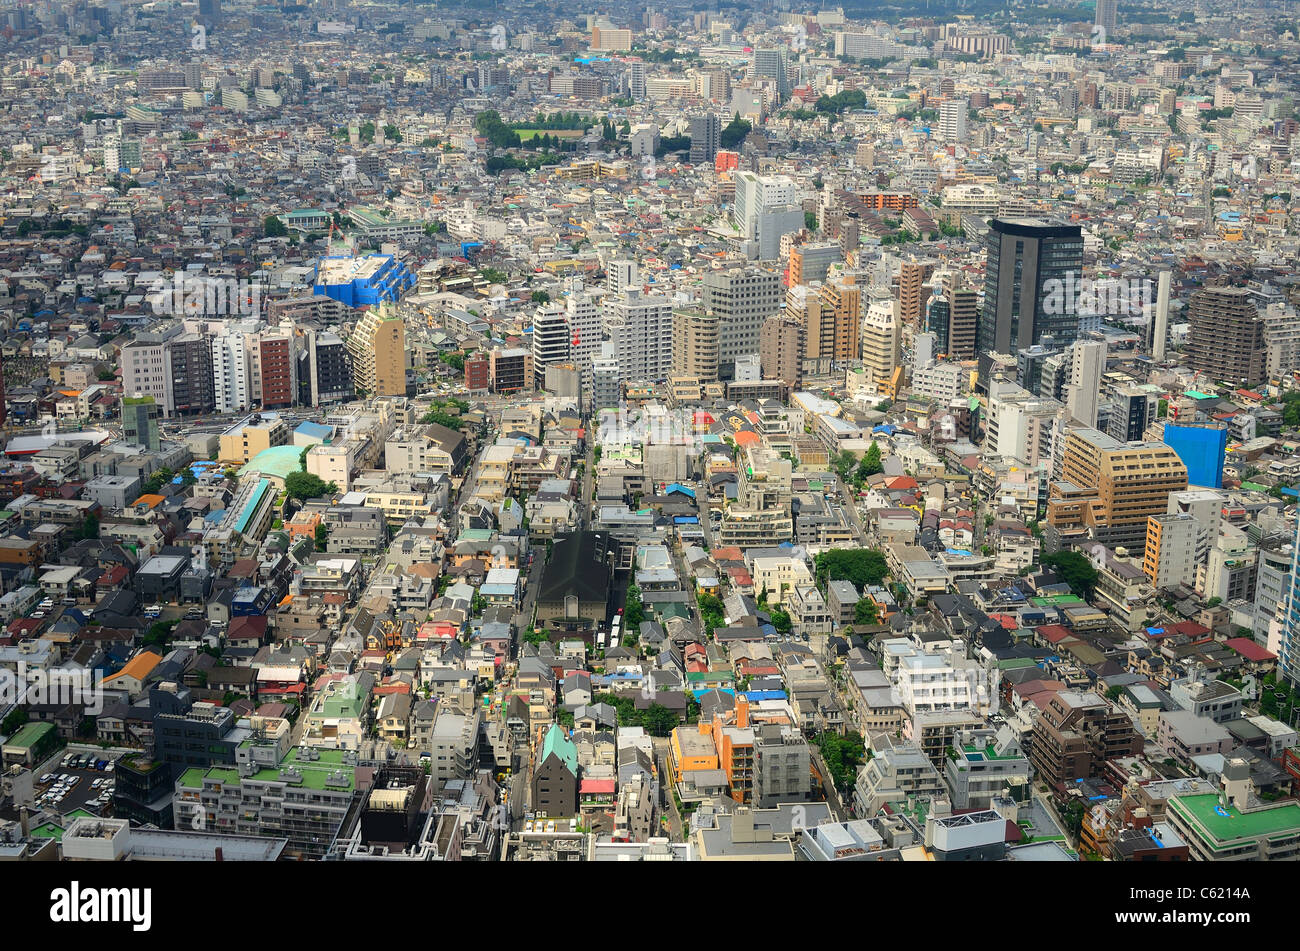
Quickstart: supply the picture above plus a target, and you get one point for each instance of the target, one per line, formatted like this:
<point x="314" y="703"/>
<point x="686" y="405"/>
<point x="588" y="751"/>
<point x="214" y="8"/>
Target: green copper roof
<point x="557" y="742"/>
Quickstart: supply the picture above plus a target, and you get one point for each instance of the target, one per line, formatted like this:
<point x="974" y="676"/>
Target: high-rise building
<point x="230" y="371"/>
<point x="606" y="379"/>
<point x="1226" y="336"/>
<point x="378" y="348"/>
<point x="1087" y="364"/>
<point x="1108" y="488"/>
<point x="146" y="370"/>
<point x="842" y="299"/>
<point x="803" y="306"/>
<point x="1133" y="410"/>
<point x="810" y="263"/>
<point x="140" y="416"/>
<point x="550" y="339"/>
<point x="704" y="133"/>
<point x="279" y="368"/>
<point x="696" y="339"/>
<point x="913" y="292"/>
<point x="324" y="368"/>
<point x="583" y="313"/>
<point x="511" y="369"/>
<point x="954" y="320"/>
<point x="636" y="80"/>
<point x="772" y="64"/>
<point x="640" y="327"/>
<point x="620" y="275"/>
<point x="782" y="347"/>
<point x="1284" y="633"/>
<point x="1031" y="285"/>
<point x="189" y="359"/>
<point x="1105" y="18"/>
<point x="881" y="340"/>
<point x="765" y="208"/>
<point x="610" y="39"/>
<point x="1170" y="557"/>
<point x="952" y="120"/>
<point x="741" y="298"/>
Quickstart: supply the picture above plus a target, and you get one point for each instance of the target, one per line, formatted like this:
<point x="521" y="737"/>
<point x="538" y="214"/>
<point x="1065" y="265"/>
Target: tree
<point x="159" y="633"/>
<point x="734" y="133"/>
<point x="870" y="464"/>
<point x="781" y="621"/>
<point x="275" y="228"/>
<point x="865" y="612"/>
<point x="711" y="612"/>
<point x="633" y="611"/>
<point x="863" y="567"/>
<point x="14" y="721"/>
<point x="844" y="463"/>
<point x="1076" y="570"/>
<point x="843" y="756"/>
<point x="658" y="720"/>
<point x="305" y="485"/>
<point x="89" y="527"/>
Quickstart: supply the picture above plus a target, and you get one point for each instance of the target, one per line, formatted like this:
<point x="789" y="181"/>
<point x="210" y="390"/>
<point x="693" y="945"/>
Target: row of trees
<point x="842" y="101"/>
<point x="852" y="470"/>
<point x="657" y="719"/>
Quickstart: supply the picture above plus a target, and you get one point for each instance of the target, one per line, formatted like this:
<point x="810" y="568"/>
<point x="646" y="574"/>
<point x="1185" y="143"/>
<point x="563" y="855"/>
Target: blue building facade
<point x="357" y="282"/>
<point x="1202" y="449"/>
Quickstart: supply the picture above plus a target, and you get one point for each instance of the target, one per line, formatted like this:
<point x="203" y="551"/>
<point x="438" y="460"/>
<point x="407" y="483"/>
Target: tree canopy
<point x="861" y="566"/>
<point x="1075" y="569"/>
<point x="305" y="485"/>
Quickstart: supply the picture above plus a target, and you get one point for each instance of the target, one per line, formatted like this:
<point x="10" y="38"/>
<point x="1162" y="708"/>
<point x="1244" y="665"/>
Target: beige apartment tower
<point x="781" y="349"/>
<point x="378" y="348"/>
<point x="696" y="343"/>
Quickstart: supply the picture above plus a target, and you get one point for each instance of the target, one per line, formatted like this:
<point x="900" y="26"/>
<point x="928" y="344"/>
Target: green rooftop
<point x="989" y="752"/>
<point x="315" y="773"/>
<point x="30" y="734"/>
<point x="1228" y="825"/>
<point x="557" y="742"/>
<point x="1056" y="600"/>
<point x="48" y="830"/>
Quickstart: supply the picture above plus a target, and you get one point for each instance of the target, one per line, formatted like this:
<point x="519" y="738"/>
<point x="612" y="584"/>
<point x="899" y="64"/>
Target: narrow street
<point x="667" y="804"/>
<point x="851" y="508"/>
<point x="831" y="794"/>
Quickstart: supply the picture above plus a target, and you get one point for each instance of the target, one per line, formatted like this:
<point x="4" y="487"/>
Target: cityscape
<point x="657" y="432"/>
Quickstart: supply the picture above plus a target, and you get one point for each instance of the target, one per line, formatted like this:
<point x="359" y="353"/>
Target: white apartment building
<point x="640" y="327"/>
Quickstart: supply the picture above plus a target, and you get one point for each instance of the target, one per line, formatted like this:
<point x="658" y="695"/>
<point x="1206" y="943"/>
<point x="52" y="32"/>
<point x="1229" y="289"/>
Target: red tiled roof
<point x="1054" y="633"/>
<point x="1248" y="649"/>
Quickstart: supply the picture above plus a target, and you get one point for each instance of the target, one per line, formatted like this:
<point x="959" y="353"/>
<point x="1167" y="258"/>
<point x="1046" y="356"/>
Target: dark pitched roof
<point x="578" y="566"/>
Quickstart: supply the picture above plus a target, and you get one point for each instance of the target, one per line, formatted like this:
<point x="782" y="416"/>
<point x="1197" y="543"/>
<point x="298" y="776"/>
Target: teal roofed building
<point x="276" y="463"/>
<point x="555" y="775"/>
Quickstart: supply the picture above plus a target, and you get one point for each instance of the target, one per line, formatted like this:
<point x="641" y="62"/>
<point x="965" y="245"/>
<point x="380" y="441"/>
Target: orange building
<point x="892" y="201"/>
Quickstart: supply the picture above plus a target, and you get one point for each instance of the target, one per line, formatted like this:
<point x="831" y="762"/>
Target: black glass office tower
<point x="1031" y="284"/>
